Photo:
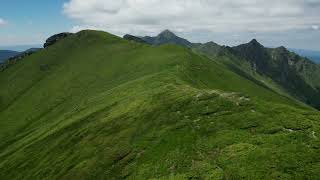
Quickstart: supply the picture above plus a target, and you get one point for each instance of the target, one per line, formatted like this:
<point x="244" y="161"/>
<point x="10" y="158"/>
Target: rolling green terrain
<point x="278" y="68"/>
<point x="96" y="106"/>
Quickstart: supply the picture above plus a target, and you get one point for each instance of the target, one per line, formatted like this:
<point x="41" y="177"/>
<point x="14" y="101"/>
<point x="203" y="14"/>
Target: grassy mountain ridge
<point x="95" y="106"/>
<point x="279" y="69"/>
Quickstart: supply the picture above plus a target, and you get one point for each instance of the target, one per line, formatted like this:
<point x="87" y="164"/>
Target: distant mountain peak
<point x="252" y="50"/>
<point x="167" y="33"/>
<point x="167" y="37"/>
<point x="254" y="42"/>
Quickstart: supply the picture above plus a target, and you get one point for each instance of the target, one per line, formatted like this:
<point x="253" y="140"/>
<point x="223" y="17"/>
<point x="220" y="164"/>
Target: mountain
<point x="277" y="68"/>
<point x="312" y="55"/>
<point x="96" y="106"/>
<point x="166" y="37"/>
<point x="297" y="75"/>
<point x="6" y="54"/>
<point x="210" y="49"/>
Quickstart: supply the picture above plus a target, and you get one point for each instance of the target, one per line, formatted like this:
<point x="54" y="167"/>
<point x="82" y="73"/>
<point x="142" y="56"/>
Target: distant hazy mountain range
<point x="312" y="55"/>
<point x="20" y="48"/>
<point x="6" y="54"/>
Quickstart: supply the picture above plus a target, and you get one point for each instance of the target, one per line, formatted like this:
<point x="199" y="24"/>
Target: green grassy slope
<point x="277" y="68"/>
<point x="298" y="75"/>
<point x="94" y="106"/>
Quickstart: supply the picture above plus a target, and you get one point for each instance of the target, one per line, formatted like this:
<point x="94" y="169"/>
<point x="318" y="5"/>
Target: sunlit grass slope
<point x="95" y="106"/>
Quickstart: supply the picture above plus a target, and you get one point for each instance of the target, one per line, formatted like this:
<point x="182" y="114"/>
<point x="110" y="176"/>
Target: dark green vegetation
<point x="299" y="76"/>
<point x="95" y="106"/>
<point x="295" y="75"/>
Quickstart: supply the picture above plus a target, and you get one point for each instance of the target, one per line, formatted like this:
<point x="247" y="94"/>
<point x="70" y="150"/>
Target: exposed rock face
<point x="133" y="38"/>
<point x="55" y="38"/>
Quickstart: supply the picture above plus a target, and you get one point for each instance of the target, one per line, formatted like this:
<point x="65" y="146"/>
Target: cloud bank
<point x="150" y="16"/>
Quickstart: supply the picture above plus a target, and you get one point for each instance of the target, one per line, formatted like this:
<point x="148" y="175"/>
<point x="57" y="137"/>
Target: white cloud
<point x="150" y="16"/>
<point x="2" y="22"/>
<point x="315" y="27"/>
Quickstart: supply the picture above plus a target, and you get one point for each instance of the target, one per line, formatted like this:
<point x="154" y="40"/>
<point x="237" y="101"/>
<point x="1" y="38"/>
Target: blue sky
<point x="292" y="23"/>
<point x="31" y="21"/>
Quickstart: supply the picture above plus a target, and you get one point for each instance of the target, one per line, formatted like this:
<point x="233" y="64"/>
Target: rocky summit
<point x="55" y="38"/>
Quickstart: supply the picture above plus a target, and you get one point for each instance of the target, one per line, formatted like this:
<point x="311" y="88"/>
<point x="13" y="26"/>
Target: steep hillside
<point x="277" y="68"/>
<point x="297" y="75"/>
<point x="95" y="106"/>
<point x="15" y="59"/>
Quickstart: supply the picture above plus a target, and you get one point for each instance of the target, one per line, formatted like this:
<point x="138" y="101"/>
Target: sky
<point x="290" y="23"/>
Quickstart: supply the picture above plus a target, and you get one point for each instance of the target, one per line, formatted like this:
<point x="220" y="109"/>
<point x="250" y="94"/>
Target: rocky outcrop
<point x="55" y="38"/>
